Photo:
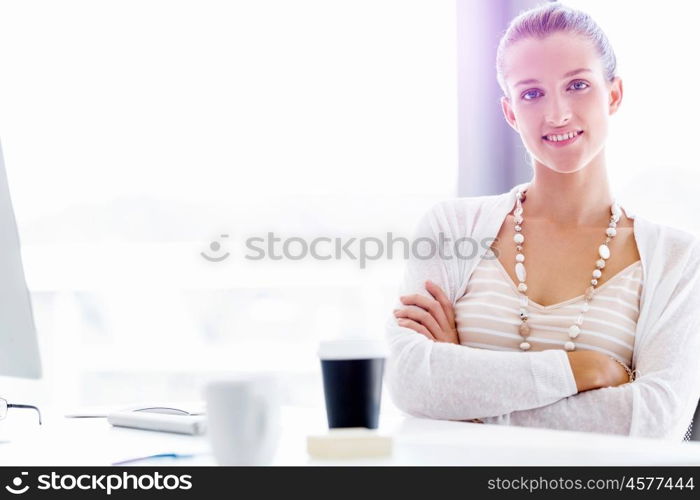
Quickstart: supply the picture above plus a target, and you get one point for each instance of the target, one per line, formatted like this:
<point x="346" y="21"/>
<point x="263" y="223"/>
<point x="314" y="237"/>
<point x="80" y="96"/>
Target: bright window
<point x="137" y="132"/>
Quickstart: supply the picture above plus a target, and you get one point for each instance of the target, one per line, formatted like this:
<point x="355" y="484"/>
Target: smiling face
<point x="559" y="99"/>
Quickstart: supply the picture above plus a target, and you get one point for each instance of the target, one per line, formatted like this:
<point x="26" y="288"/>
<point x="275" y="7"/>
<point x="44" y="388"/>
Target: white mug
<point x="243" y="414"/>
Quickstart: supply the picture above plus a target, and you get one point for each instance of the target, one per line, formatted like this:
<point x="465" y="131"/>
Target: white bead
<point x="611" y="231"/>
<point x="523" y="300"/>
<point x="597" y="273"/>
<point x="520" y="258"/>
<point x="518" y="219"/>
<point x="522" y="287"/>
<point x="524" y="330"/>
<point x="585" y="307"/>
<point x="525" y="346"/>
<point x="603" y="250"/>
<point x="569" y="346"/>
<point x="518" y="228"/>
<point x="518" y="212"/>
<point x="574" y="330"/>
<point x="594" y="282"/>
<point x="615" y="210"/>
<point x="518" y="238"/>
<point x="579" y="320"/>
<point x="520" y="271"/>
<point x="600" y="263"/>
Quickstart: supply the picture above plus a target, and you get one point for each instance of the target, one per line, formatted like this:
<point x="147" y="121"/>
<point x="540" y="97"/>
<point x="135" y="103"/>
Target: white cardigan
<point x="538" y="389"/>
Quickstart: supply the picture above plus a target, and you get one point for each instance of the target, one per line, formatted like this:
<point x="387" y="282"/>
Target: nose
<point x="558" y="112"/>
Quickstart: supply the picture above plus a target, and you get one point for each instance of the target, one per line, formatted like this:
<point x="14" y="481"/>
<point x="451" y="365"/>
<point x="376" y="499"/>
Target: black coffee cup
<point x="352" y="381"/>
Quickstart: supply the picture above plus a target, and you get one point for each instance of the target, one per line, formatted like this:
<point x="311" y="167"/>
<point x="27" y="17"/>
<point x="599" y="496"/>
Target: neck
<point x="580" y="198"/>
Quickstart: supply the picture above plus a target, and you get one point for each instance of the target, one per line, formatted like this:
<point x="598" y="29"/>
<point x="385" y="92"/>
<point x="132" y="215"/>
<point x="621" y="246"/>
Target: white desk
<point x="62" y="441"/>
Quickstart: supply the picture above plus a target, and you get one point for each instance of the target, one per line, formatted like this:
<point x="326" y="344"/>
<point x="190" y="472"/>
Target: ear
<point x="508" y="112"/>
<point x="615" y="97"/>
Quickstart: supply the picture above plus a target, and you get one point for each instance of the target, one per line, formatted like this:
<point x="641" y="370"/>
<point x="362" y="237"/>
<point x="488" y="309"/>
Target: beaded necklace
<point x="603" y="252"/>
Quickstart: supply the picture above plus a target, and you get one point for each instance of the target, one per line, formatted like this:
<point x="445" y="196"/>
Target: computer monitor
<point x="19" y="349"/>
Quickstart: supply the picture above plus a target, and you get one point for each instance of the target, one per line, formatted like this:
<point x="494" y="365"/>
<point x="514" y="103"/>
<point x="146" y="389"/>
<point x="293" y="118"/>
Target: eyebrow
<point x="567" y="75"/>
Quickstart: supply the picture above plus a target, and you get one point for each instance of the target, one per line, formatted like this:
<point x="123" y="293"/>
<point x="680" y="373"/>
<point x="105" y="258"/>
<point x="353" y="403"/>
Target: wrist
<point x="588" y="370"/>
<point x="630" y="375"/>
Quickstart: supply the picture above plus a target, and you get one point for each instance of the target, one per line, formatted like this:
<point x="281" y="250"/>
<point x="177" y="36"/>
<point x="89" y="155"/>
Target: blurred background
<point x="137" y="133"/>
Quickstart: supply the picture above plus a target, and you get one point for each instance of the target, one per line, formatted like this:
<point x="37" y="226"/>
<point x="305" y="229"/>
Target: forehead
<point x="548" y="59"/>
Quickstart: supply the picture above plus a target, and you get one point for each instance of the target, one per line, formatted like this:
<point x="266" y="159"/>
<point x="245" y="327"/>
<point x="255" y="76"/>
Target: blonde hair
<point x="550" y="18"/>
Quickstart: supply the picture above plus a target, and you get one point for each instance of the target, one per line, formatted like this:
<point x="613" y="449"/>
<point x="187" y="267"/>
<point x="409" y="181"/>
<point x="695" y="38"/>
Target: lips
<point x="558" y="140"/>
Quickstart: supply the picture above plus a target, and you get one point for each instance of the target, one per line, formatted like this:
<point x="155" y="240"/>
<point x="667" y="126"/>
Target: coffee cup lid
<point x="352" y="348"/>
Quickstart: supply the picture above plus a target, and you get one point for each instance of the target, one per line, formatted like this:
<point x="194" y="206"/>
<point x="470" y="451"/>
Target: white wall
<point x="652" y="150"/>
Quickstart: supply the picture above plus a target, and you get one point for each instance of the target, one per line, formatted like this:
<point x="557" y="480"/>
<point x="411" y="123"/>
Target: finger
<point x="408" y="323"/>
<point x="442" y="299"/>
<point x="421" y="316"/>
<point x="428" y="304"/>
<point x="431" y="305"/>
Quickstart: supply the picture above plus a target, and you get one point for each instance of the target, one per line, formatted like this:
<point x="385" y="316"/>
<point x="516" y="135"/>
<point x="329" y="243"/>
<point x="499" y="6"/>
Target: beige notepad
<point x="349" y="443"/>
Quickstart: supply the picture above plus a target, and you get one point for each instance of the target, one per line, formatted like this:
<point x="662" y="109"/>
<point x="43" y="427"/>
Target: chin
<point x="568" y="169"/>
<point x="564" y="167"/>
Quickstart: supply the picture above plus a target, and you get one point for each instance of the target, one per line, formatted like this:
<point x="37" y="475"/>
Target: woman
<point x="579" y="314"/>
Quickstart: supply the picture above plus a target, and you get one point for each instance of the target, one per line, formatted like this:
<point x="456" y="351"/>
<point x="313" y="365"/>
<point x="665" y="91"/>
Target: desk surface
<point x="64" y="441"/>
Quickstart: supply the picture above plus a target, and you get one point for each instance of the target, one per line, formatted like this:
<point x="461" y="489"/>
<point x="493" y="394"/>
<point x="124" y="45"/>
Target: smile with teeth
<point x="563" y="137"/>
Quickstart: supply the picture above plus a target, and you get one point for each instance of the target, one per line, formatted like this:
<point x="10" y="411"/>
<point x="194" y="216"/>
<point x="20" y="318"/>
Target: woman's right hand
<point x="434" y="318"/>
<point x="594" y="370"/>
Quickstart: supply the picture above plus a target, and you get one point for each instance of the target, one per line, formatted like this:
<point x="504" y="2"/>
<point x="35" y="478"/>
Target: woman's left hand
<point x="432" y="317"/>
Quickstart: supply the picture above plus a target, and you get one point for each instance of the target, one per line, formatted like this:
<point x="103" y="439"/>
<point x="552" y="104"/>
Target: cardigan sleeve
<point x="661" y="401"/>
<point x="454" y="382"/>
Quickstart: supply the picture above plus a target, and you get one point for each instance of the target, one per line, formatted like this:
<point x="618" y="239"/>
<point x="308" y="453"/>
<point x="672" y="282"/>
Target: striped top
<point x="487" y="314"/>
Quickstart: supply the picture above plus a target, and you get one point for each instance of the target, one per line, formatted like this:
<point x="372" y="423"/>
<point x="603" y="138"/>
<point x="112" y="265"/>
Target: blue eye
<point x="574" y="85"/>
<point x="528" y="96"/>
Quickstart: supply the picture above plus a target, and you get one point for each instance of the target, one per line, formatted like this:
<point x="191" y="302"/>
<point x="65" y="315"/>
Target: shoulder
<point x="464" y="211"/>
<point x="669" y="242"/>
<point x="468" y="215"/>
